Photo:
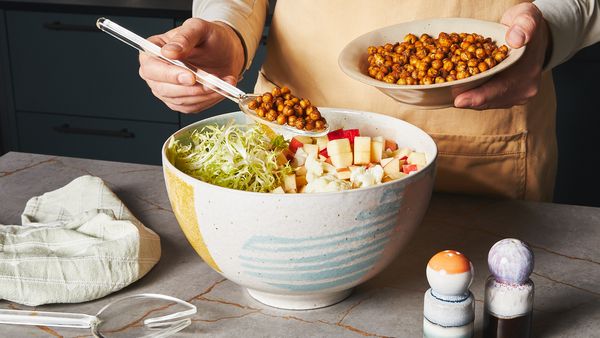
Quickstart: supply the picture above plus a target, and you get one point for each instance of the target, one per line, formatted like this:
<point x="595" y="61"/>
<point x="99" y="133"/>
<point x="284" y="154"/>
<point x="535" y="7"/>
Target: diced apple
<point x="344" y="173"/>
<point x="304" y="139"/>
<point x="294" y="145"/>
<point x="402" y="152"/>
<point x="341" y="160"/>
<point x="281" y="159"/>
<point x="322" y="158"/>
<point x="300" y="181"/>
<point x="362" y="157"/>
<point x="417" y="158"/>
<point x="301" y="171"/>
<point x="278" y="190"/>
<point x="386" y="160"/>
<point x="391" y="145"/>
<point x="362" y="144"/>
<point x="311" y="149"/>
<point x="407" y="168"/>
<point x="376" y="151"/>
<point x="322" y="142"/>
<point x="328" y="167"/>
<point x="378" y="139"/>
<point x="392" y="166"/>
<point x="289" y="183"/>
<point x="397" y="175"/>
<point x="339" y="146"/>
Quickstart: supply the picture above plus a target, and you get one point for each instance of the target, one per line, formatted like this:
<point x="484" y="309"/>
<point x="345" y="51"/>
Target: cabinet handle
<point x="59" y="26"/>
<point x="67" y="129"/>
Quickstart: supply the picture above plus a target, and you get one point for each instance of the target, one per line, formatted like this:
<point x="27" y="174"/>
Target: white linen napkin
<point x="76" y="244"/>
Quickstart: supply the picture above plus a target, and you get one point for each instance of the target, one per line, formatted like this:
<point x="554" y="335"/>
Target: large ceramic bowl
<point x="304" y="251"/>
<point x="353" y="59"/>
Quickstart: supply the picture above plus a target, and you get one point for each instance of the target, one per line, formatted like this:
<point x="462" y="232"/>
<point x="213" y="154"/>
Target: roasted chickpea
<point x="482" y="66"/>
<point x="304" y="103"/>
<point x="427" y="80"/>
<point x="432" y="72"/>
<point x="298" y="110"/>
<point x="437" y="64"/>
<point x="310" y="125"/>
<point x="271" y="115"/>
<point x="499" y="56"/>
<point x="292" y="120"/>
<point x="473" y="62"/>
<point x="285" y="90"/>
<point x="480" y="53"/>
<point x="281" y="119"/>
<point x="276" y="92"/>
<point x="267" y="97"/>
<point x="462" y="74"/>
<point x="300" y="123"/>
<point x="319" y="124"/>
<point x="288" y="111"/>
<point x="253" y="104"/>
<point x="411" y="81"/>
<point x="410" y="38"/>
<point x="440" y="79"/>
<point x="280" y="108"/>
<point x="401" y="81"/>
<point x="260" y="111"/>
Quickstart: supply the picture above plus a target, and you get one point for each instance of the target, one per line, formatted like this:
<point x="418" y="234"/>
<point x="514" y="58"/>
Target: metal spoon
<point x="207" y="79"/>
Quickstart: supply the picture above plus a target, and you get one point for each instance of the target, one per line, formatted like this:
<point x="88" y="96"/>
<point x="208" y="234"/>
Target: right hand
<point x="212" y="46"/>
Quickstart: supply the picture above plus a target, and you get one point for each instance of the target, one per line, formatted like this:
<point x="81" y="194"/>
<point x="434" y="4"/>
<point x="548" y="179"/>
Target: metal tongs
<point x="231" y="92"/>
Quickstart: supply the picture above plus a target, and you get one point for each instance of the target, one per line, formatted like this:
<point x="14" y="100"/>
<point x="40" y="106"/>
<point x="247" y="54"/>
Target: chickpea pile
<point x="426" y="60"/>
<point x="281" y="106"/>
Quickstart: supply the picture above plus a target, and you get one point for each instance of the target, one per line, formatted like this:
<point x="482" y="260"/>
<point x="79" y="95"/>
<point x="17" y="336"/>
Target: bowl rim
<point x="403" y="182"/>
<point x="363" y="78"/>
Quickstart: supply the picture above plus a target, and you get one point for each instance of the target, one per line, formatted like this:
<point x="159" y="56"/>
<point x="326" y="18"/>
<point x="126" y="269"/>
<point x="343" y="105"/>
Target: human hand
<point x="212" y="46"/>
<point x="519" y="83"/>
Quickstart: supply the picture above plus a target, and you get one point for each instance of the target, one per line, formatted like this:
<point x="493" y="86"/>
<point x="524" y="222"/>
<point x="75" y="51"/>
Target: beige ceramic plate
<point x="353" y="59"/>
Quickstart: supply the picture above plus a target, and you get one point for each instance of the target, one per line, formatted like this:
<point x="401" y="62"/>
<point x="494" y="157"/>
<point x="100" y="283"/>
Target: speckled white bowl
<point x="353" y="59"/>
<point x="304" y="251"/>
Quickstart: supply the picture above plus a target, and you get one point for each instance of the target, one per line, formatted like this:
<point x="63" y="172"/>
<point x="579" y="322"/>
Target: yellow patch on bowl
<point x="181" y="196"/>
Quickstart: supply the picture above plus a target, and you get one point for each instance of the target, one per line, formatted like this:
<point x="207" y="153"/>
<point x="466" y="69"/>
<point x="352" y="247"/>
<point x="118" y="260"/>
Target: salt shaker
<point x="449" y="306"/>
<point x="509" y="291"/>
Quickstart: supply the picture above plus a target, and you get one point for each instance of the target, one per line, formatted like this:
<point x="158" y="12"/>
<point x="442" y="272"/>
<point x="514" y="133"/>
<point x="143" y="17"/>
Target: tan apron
<point x="500" y="152"/>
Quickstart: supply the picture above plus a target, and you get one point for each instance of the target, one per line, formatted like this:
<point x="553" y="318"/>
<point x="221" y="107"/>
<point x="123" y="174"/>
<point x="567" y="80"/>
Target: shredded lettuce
<point x="234" y="156"/>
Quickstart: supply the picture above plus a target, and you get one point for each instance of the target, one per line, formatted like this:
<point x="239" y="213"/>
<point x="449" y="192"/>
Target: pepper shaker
<point x="449" y="306"/>
<point x="509" y="291"/>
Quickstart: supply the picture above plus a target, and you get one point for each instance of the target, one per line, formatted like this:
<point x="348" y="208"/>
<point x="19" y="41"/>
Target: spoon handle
<point x="56" y="319"/>
<point x="141" y="44"/>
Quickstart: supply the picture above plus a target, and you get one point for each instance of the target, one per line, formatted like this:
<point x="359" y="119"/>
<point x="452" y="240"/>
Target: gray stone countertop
<point x="565" y="240"/>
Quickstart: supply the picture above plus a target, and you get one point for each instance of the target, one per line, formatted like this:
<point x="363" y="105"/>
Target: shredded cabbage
<point x="233" y="156"/>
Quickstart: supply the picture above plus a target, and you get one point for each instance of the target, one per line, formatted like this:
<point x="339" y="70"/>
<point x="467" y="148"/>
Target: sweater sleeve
<point x="574" y="24"/>
<point x="246" y="17"/>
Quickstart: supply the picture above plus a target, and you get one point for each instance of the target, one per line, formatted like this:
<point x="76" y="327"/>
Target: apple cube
<point x="343" y="173"/>
<point x="342" y="160"/>
<point x="339" y="146"/>
<point x="301" y="171"/>
<point x="304" y="139"/>
<point x="311" y="149"/>
<point x="378" y="139"/>
<point x="392" y="166"/>
<point x="417" y="158"/>
<point x="278" y="190"/>
<point x="294" y="145"/>
<point x="408" y="168"/>
<point x="376" y="151"/>
<point x="402" y="152"/>
<point x="362" y="144"/>
<point x="301" y="181"/>
<point x="362" y="157"/>
<point x="322" y="142"/>
<point x="281" y="159"/>
<point x="385" y="161"/>
<point x="397" y="175"/>
<point x="289" y="183"/>
<point x="391" y="145"/>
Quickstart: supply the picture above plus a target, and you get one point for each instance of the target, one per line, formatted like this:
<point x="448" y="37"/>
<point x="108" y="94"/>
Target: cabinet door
<point x="104" y="139"/>
<point x="61" y="63"/>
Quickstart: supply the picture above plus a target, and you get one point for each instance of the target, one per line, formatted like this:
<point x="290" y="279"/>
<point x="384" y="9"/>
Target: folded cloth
<point x="76" y="244"/>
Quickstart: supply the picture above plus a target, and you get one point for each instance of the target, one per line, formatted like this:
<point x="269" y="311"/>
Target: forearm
<point x="574" y="24"/>
<point x="246" y="17"/>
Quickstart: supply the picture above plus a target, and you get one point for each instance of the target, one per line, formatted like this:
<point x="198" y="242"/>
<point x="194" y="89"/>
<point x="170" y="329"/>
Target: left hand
<point x="519" y="83"/>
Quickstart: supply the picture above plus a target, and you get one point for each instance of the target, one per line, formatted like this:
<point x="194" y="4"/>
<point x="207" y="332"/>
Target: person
<point x="498" y="140"/>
